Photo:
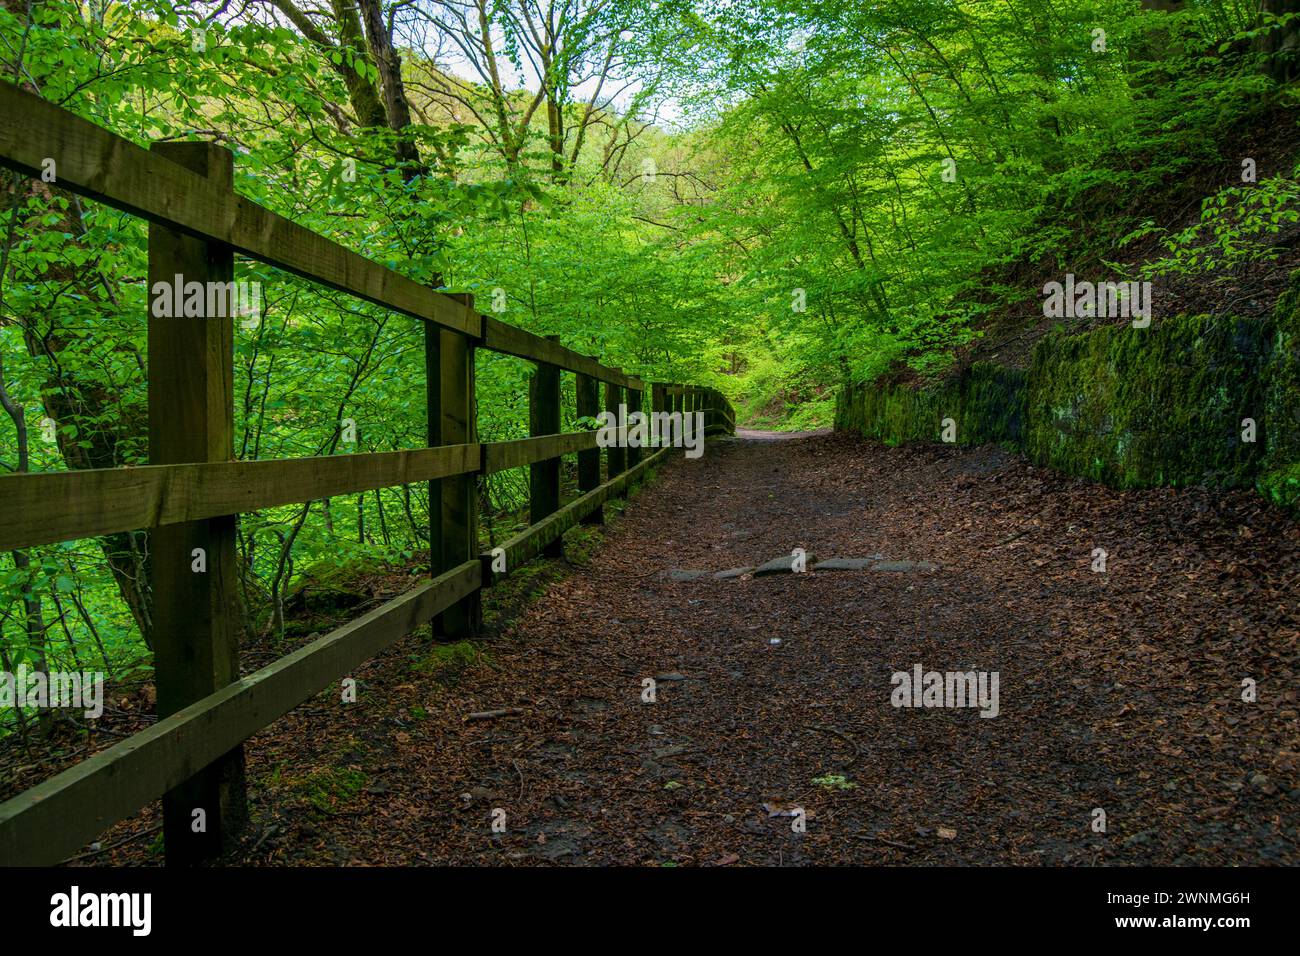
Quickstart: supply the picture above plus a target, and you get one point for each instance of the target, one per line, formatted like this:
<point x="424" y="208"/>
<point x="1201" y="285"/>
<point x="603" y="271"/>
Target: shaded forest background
<point x="771" y="197"/>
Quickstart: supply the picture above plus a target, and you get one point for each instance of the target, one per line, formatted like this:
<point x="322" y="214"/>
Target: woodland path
<point x="1118" y="690"/>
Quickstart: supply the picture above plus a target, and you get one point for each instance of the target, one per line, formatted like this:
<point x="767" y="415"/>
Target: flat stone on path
<point x="904" y="566"/>
<point x="782" y="565"/>
<point x="731" y="573"/>
<point x="848" y="564"/>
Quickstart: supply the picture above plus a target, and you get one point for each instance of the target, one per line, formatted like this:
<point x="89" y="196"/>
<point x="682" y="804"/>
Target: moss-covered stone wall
<point x="1130" y="407"/>
<point x="1157" y="406"/>
<point x="1279" y="477"/>
<point x="986" y="404"/>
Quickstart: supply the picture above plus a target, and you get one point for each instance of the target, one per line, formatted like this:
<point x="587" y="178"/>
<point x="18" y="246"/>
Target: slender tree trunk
<point x="1281" y="46"/>
<point x="396" y="104"/>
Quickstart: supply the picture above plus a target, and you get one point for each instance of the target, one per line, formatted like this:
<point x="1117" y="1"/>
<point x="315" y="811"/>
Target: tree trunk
<point x="396" y="104"/>
<point x="67" y="399"/>
<point x="1281" y="45"/>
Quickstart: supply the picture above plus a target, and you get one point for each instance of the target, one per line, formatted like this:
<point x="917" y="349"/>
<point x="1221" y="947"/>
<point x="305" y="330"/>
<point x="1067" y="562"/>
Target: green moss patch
<point x="1157" y="406"/>
<point x="986" y="404"/>
<point x="326" y="790"/>
<point x="1133" y="408"/>
<point x="446" y="663"/>
<point x="1280" y="478"/>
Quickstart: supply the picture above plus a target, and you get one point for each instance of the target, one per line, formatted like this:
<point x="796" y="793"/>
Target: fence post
<point x="544" y="419"/>
<point x="453" y="502"/>
<point x="635" y="401"/>
<point x="192" y="567"/>
<point x="657" y="405"/>
<point x="615" y="455"/>
<point x="688" y="407"/>
<point x="589" y="461"/>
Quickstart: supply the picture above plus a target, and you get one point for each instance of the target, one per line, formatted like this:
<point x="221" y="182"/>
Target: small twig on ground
<point x="111" y="846"/>
<point x="493" y="714"/>
<point x="843" y="736"/>
<point x="1014" y="537"/>
<point x="880" y="839"/>
<point x="113" y="733"/>
<point x="266" y="834"/>
<point x="647" y="574"/>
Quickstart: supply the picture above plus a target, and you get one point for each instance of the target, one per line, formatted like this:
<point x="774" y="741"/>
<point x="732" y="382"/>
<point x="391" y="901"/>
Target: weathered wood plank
<point x="43" y="825"/>
<point x="46" y="507"/>
<point x="635" y="403"/>
<point x="453" y="418"/>
<point x="544" y="419"/>
<point x="510" y="340"/>
<point x="193" y="570"/>
<point x="502" y="455"/>
<point x="530" y="542"/>
<point x="105" y="167"/>
<point x="616" y="454"/>
<point x="588" y="406"/>
<point x="96" y="163"/>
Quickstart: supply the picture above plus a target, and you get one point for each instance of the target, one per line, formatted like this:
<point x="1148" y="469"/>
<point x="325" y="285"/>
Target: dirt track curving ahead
<point x="1119" y="691"/>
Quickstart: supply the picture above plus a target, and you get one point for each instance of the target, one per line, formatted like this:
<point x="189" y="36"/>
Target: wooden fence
<point x="192" y="491"/>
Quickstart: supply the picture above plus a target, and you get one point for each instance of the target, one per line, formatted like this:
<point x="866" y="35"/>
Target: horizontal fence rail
<point x="97" y="164"/>
<point x="512" y="340"/>
<point x="192" y="491"/>
<point x="55" y="818"/>
<point x="44" y="508"/>
<point x="530" y="542"/>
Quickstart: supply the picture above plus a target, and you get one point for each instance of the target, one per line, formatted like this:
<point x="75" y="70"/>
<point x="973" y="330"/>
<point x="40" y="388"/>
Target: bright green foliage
<point x="1236" y="225"/>
<point x="892" y="160"/>
<point x="834" y="781"/>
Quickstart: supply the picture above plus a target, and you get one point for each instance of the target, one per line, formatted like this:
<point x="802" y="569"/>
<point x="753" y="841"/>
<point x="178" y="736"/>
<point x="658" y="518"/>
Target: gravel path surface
<point x="1118" y="691"/>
